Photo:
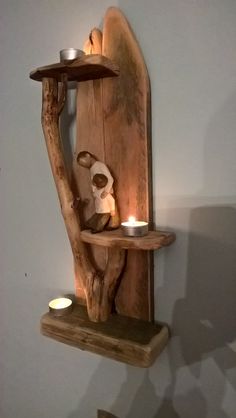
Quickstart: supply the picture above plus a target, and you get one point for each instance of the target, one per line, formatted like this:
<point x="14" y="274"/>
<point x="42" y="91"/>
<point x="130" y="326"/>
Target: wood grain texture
<point x="154" y="240"/>
<point x="128" y="340"/>
<point x="126" y="107"/>
<point x="99" y="287"/>
<point x="113" y="122"/>
<point x="84" y="68"/>
<point x="90" y="137"/>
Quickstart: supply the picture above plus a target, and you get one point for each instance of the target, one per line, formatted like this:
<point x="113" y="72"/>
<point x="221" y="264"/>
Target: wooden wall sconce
<point x="114" y="315"/>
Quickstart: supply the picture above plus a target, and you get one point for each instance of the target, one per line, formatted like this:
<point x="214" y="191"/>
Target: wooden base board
<point x="124" y="339"/>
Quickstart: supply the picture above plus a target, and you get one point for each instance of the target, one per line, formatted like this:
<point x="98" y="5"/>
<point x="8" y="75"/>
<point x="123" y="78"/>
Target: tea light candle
<point x="133" y="228"/>
<point x="70" y="54"/>
<point x="60" y="306"/>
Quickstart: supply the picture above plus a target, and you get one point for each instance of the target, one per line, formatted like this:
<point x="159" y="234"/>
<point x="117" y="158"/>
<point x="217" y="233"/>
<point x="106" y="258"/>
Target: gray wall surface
<point x="189" y="47"/>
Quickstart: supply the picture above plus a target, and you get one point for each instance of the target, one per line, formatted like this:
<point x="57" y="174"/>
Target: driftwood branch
<point x="99" y="288"/>
<point x="62" y="93"/>
<point x="103" y="287"/>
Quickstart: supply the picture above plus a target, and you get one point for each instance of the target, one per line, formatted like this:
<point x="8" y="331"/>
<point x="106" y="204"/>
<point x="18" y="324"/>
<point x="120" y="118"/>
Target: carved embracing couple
<point x="106" y="214"/>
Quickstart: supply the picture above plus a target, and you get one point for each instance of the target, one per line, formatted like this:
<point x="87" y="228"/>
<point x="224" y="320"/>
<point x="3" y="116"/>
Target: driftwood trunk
<point x="99" y="288"/>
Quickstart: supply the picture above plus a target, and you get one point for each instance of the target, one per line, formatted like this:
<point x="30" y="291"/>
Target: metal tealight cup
<point x="70" y="54"/>
<point x="135" y="229"/>
<point x="60" y="306"/>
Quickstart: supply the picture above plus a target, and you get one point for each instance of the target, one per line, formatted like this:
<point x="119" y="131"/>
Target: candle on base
<point x="60" y="306"/>
<point x="70" y="54"/>
<point x="133" y="228"/>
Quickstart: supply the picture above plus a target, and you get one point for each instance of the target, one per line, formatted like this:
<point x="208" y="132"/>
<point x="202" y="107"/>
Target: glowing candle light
<point x="131" y="220"/>
<point x="60" y="306"/>
<point x="133" y="228"/>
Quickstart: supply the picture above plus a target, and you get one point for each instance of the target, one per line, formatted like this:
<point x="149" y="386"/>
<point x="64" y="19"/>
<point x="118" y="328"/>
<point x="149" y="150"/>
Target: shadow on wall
<point x="146" y="403"/>
<point x="137" y="397"/>
<point x="205" y="318"/>
<point x="67" y="121"/>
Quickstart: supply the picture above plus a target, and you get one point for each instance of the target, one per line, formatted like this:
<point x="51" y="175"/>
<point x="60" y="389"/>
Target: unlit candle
<point x="70" y="54"/>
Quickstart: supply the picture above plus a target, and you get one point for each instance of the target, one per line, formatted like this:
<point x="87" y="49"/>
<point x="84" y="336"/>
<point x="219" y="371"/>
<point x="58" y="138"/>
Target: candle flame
<point x="131" y="219"/>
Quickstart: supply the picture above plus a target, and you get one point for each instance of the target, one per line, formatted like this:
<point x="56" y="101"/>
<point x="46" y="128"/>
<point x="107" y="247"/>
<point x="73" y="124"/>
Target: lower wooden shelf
<point x="121" y="338"/>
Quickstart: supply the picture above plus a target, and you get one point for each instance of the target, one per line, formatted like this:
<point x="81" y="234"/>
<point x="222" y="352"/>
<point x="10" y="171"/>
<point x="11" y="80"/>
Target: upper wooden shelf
<point x="152" y="241"/>
<point x="88" y="67"/>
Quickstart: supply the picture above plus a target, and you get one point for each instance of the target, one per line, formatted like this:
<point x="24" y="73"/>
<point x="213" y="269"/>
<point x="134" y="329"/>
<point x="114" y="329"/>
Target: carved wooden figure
<point x="106" y="213"/>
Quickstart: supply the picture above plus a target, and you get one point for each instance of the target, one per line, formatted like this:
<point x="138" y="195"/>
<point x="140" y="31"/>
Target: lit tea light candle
<point x="133" y="228"/>
<point x="60" y="306"/>
<point x="70" y="54"/>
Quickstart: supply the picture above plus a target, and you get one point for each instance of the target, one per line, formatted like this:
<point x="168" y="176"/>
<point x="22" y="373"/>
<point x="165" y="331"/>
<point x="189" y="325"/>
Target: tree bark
<point x="99" y="288"/>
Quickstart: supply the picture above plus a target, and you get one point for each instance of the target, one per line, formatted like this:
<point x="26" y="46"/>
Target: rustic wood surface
<point x="84" y="68"/>
<point x="99" y="287"/>
<point x="126" y="107"/>
<point x="153" y="241"/>
<point x="128" y="340"/>
<point x="90" y="137"/>
<point x="113" y="123"/>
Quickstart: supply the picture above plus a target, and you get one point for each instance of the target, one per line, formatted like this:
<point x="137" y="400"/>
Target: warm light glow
<point x="131" y="219"/>
<point x="133" y="228"/>
<point x="133" y="223"/>
<point x="60" y="303"/>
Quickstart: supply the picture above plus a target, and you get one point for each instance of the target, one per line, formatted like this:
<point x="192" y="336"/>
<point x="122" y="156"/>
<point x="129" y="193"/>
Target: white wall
<point x="189" y="47"/>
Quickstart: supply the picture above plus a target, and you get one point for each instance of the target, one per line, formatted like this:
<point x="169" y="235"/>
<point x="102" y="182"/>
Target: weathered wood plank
<point x="90" y="137"/>
<point x="113" y="122"/>
<point x="124" y="339"/>
<point x="126" y="106"/>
